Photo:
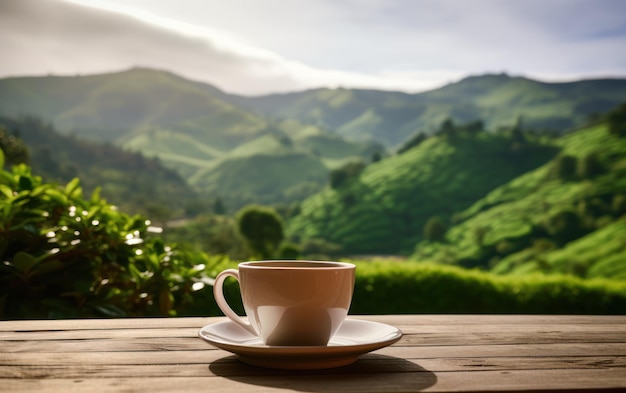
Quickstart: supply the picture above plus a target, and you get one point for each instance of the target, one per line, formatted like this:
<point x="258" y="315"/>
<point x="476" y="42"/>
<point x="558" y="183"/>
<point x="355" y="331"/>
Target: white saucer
<point x="354" y="338"/>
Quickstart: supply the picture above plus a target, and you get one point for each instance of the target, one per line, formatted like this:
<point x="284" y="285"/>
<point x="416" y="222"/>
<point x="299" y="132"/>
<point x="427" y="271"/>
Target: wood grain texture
<point x="438" y="353"/>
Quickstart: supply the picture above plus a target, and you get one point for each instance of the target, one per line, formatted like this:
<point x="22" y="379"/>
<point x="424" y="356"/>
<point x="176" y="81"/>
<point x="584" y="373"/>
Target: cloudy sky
<point x="264" y="46"/>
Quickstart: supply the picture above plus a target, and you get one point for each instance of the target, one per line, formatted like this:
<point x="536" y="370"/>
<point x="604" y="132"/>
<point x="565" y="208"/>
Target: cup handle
<point x="218" y="293"/>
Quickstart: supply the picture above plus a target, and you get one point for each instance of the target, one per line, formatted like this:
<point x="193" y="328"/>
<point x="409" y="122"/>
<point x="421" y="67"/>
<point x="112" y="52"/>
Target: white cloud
<point x="254" y="47"/>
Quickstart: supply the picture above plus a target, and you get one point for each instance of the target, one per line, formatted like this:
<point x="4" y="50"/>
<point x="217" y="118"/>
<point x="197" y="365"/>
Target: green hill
<point x="499" y="100"/>
<point x="188" y="125"/>
<point x="289" y="177"/>
<point x="129" y="180"/>
<point x="385" y="207"/>
<point x="566" y="216"/>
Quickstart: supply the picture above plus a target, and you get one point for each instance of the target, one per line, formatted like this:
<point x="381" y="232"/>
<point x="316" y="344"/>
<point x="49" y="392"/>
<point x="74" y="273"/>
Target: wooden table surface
<point x="438" y="353"/>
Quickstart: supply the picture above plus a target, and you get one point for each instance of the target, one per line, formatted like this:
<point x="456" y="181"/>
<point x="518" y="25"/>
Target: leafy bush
<point x="435" y="229"/>
<point x="342" y="175"/>
<point x="413" y="287"/>
<point x="66" y="256"/>
<point x="590" y="166"/>
<point x="617" y="121"/>
<point x="262" y="228"/>
<point x="14" y="149"/>
<point x="564" y="167"/>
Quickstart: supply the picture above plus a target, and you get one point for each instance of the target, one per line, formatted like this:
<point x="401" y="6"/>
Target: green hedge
<point x="411" y="287"/>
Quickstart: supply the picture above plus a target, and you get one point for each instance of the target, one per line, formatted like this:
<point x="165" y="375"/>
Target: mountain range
<point x="216" y="146"/>
<point x="499" y="100"/>
<point x="281" y="148"/>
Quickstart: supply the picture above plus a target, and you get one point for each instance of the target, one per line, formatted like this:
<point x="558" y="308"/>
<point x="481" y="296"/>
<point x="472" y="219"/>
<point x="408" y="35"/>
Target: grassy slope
<point x="386" y="207"/>
<point x="286" y="177"/>
<point x="510" y="215"/>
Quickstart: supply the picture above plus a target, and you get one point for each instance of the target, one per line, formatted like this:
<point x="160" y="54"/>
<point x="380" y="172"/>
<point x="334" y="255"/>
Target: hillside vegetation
<point x="489" y="172"/>
<point x="566" y="216"/>
<point x="136" y="183"/>
<point x="67" y="256"/>
<point x="511" y="202"/>
<point x="384" y="208"/>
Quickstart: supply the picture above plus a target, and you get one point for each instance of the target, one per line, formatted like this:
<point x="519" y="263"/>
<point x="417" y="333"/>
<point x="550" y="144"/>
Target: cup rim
<point x="292" y="264"/>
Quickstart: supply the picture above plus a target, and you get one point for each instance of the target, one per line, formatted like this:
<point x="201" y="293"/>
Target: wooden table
<point x="437" y="353"/>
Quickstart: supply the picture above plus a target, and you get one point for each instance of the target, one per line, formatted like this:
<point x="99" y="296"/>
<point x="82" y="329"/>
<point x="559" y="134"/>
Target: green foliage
<point x="386" y="287"/>
<point x="262" y="228"/>
<point x="212" y="234"/>
<point x="263" y="178"/>
<point x="347" y="173"/>
<point x="538" y="223"/>
<point x="386" y="209"/>
<point x="319" y="249"/>
<point x="590" y="166"/>
<point x="412" y="142"/>
<point x="65" y="256"/>
<point x="435" y="229"/>
<point x="564" y="226"/>
<point x="15" y="152"/>
<point x="448" y="128"/>
<point x="617" y="120"/>
<point x="135" y="183"/>
<point x="393" y="287"/>
<point x="288" y="251"/>
<point x="564" y="167"/>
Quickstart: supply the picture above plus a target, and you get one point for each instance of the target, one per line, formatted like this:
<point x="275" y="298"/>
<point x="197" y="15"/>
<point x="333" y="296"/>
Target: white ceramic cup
<point x="290" y="303"/>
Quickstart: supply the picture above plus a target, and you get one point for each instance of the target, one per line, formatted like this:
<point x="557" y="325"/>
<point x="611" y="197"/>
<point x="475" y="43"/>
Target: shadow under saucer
<point x="381" y="372"/>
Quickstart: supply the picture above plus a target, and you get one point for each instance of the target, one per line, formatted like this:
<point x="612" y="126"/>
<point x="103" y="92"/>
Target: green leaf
<point x="23" y="262"/>
<point x="26" y="183"/>
<point x="1" y="159"/>
<point x="6" y="178"/>
<point x="95" y="196"/>
<point x="6" y="191"/>
<point x="72" y="189"/>
<point x="56" y="196"/>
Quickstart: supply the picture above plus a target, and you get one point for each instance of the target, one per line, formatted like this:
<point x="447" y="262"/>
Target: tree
<point x="14" y="149"/>
<point x="590" y="166"/>
<point x="218" y="206"/>
<point x="474" y="127"/>
<point x="564" y="167"/>
<point x="415" y="140"/>
<point x="340" y="176"/>
<point x="517" y="132"/>
<point x="435" y="229"/>
<point x="617" y="121"/>
<point x="564" y="226"/>
<point x="448" y="128"/>
<point x="262" y="228"/>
